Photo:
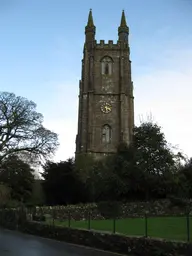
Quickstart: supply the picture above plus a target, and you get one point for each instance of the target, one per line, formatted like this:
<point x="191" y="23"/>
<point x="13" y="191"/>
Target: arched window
<point x="106" y="66"/>
<point x="106" y="134"/>
<point x="106" y="69"/>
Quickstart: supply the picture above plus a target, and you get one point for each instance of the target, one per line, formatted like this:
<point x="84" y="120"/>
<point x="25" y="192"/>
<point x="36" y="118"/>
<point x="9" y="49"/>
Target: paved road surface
<point x="17" y="244"/>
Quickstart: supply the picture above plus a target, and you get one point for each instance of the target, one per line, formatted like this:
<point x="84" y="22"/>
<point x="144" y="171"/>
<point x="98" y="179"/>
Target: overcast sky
<point x="41" y="48"/>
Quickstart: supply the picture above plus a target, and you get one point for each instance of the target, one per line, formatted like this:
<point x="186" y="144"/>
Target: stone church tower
<point x="106" y="108"/>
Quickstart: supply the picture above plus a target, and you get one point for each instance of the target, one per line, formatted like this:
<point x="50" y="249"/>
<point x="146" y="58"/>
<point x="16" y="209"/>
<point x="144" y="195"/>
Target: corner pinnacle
<point x="123" y="20"/>
<point x="90" y="19"/>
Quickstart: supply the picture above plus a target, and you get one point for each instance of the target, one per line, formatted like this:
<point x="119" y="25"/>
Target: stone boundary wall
<point x="96" y="211"/>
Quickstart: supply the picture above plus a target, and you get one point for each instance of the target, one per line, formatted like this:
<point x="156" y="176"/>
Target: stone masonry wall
<point x="133" y="209"/>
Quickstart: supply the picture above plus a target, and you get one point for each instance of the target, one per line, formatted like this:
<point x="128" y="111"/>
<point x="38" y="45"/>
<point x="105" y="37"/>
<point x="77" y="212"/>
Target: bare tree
<point x="21" y="130"/>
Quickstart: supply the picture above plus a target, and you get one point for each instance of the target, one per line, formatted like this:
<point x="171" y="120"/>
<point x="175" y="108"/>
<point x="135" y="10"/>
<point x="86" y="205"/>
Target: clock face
<point x="106" y="107"/>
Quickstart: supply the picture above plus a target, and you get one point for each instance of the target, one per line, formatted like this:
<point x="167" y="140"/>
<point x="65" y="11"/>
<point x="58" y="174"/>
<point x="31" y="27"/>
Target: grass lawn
<point x="171" y="228"/>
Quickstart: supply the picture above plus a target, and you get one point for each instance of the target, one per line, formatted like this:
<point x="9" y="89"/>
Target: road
<point x="17" y="244"/>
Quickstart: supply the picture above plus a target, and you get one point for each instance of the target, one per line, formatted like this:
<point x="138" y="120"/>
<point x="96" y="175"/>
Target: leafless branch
<point x="21" y="129"/>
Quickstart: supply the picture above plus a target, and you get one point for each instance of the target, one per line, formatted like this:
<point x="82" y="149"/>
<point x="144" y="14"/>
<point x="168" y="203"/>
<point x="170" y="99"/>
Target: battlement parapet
<point x="109" y="45"/>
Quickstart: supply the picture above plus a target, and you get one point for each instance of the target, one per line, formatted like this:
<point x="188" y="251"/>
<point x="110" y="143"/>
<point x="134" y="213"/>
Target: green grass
<point x="171" y="228"/>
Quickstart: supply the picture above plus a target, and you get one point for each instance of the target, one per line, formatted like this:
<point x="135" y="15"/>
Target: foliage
<point x="5" y="194"/>
<point x="37" y="193"/>
<point x="14" y="203"/>
<point x="146" y="169"/>
<point x="21" y="130"/>
<point x="8" y="218"/>
<point x="176" y="201"/>
<point x="18" y="176"/>
<point x="153" y="153"/>
<point x="185" y="180"/>
<point x="61" y="183"/>
<point x="154" y="158"/>
<point x="83" y="165"/>
<point x="111" y="209"/>
<point x="39" y="218"/>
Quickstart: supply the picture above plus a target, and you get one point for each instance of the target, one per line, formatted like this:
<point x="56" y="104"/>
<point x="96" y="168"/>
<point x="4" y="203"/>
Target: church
<point x="106" y="102"/>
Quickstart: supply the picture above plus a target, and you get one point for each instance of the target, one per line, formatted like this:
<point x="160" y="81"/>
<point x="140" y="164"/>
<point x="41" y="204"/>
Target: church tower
<point x="106" y="108"/>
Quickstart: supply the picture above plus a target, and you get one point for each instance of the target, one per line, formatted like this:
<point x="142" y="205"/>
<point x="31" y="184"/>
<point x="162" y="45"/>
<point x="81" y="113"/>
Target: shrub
<point x="179" y="202"/>
<point x="109" y="209"/>
<point x="38" y="218"/>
